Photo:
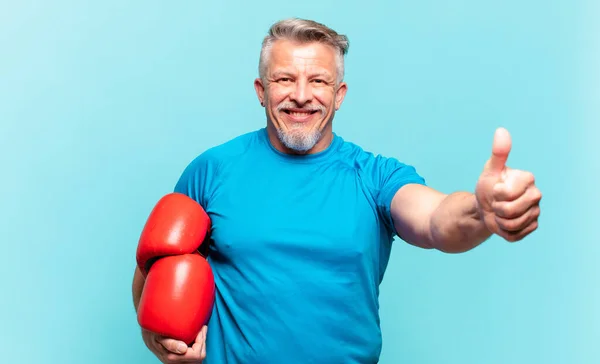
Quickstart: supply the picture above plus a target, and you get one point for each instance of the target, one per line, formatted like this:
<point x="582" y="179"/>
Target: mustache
<point x="291" y="105"/>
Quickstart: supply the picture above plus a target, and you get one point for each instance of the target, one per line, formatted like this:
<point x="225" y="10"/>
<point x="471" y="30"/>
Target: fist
<point x="508" y="199"/>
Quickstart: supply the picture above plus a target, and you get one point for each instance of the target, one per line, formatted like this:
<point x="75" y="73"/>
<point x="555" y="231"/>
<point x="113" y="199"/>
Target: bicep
<point x="411" y="209"/>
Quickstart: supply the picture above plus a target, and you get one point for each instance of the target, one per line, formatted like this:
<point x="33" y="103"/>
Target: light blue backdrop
<point x="102" y="105"/>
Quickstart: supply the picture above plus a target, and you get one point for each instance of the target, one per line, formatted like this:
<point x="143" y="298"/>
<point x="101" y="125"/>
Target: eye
<point x="284" y="79"/>
<point x="318" y="80"/>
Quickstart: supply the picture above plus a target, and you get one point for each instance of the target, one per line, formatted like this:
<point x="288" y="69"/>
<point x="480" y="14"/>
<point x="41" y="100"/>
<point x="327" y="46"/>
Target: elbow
<point x="456" y="245"/>
<point x="452" y="239"/>
<point x="450" y="248"/>
<point x="449" y="243"/>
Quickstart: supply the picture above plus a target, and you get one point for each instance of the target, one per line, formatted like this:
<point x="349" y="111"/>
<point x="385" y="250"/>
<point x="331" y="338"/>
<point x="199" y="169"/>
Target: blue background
<point x="103" y="104"/>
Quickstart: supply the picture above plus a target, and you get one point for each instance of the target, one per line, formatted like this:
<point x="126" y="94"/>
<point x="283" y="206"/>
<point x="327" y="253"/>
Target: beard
<point x="297" y="137"/>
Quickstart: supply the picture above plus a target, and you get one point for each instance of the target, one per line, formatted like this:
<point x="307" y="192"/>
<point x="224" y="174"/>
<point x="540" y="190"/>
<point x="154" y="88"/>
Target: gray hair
<point x="304" y="31"/>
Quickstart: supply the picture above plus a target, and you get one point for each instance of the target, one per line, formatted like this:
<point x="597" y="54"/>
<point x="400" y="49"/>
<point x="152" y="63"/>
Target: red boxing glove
<point x="178" y="295"/>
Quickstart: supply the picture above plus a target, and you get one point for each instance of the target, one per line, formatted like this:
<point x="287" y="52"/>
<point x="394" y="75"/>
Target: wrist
<point x="479" y="217"/>
<point x="477" y="210"/>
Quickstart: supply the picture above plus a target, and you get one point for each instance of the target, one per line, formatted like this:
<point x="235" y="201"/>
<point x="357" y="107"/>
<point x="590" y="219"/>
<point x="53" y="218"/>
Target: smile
<point x="299" y="115"/>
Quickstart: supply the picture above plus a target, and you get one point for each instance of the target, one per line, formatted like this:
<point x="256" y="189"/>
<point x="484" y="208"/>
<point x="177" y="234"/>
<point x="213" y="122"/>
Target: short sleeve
<point x="389" y="175"/>
<point x="198" y="178"/>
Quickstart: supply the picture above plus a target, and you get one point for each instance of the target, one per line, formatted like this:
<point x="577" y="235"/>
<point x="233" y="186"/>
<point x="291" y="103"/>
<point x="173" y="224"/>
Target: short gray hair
<point x="304" y="31"/>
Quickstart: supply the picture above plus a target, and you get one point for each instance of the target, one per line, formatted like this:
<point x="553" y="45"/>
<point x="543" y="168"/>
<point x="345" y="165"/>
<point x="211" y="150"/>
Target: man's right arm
<point x="137" y="287"/>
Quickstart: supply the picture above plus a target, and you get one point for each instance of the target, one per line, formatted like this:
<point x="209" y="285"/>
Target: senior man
<point x="303" y="221"/>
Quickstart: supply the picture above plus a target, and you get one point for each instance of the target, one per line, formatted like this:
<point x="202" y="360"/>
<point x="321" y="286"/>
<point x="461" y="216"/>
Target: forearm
<point x="137" y="288"/>
<point x="456" y="225"/>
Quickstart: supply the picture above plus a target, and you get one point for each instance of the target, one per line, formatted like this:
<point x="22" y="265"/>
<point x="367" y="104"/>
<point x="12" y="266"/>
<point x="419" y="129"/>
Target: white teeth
<point x="295" y="113"/>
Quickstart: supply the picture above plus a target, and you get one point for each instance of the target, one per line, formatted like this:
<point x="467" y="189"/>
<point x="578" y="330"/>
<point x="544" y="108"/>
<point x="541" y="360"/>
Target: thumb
<point x="172" y="345"/>
<point x="500" y="150"/>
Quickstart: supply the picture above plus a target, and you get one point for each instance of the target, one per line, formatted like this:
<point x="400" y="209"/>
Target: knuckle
<point x="498" y="191"/>
<point x="503" y="223"/>
<point x="509" y="212"/>
<point x="501" y="209"/>
<point x="512" y="194"/>
<point x="529" y="177"/>
<point x="169" y="345"/>
<point x="508" y="238"/>
<point x="534" y="225"/>
<point x="512" y="225"/>
<point x="513" y="238"/>
<point x="536" y="194"/>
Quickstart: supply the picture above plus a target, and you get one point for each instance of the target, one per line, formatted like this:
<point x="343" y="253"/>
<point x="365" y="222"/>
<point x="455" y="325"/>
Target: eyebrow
<point x="282" y="73"/>
<point x="324" y="74"/>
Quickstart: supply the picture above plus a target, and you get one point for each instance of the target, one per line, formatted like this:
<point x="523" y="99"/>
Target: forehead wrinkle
<point x="310" y="70"/>
<point x="303" y="58"/>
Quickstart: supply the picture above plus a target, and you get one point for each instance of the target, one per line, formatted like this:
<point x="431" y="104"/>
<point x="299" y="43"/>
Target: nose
<point x="302" y="93"/>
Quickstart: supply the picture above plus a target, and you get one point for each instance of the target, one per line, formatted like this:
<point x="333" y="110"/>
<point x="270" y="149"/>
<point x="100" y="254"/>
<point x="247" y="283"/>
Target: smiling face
<point x="300" y="94"/>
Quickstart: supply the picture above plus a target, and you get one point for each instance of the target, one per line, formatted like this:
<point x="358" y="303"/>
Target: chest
<point x="322" y="213"/>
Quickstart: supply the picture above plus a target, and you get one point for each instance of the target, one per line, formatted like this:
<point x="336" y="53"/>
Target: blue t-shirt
<point x="299" y="247"/>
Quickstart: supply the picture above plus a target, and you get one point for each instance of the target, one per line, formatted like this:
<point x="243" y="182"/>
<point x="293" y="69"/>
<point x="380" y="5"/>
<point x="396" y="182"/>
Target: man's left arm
<point x="505" y="202"/>
<point x="430" y="219"/>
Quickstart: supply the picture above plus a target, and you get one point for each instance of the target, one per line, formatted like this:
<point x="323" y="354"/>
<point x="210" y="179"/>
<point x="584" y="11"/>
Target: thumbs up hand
<point x="508" y="200"/>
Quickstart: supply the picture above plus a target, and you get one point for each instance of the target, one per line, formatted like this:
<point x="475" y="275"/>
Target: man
<point x="303" y="221"/>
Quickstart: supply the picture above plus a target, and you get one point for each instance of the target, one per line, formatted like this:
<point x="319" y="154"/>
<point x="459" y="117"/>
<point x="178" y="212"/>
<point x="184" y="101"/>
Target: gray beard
<point x="299" y="140"/>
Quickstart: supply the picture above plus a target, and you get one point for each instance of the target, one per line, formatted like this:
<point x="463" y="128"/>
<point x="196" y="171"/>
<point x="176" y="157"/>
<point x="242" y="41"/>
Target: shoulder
<point x="367" y="160"/>
<point x="219" y="154"/>
<point x="204" y="172"/>
<point x="382" y="174"/>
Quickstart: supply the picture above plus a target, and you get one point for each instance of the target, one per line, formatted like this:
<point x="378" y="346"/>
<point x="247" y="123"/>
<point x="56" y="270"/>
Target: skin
<point x="303" y="77"/>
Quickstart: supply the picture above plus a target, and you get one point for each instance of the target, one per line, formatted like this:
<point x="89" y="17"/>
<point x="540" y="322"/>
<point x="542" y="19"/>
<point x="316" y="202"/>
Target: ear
<point x="259" y="87"/>
<point x="340" y="94"/>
